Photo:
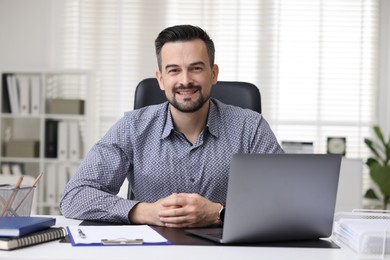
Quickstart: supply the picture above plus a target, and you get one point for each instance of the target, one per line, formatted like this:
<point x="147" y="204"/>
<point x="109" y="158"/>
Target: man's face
<point x="186" y="75"/>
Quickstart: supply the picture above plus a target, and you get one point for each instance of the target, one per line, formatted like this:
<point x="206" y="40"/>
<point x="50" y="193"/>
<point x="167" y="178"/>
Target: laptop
<point x="278" y="197"/>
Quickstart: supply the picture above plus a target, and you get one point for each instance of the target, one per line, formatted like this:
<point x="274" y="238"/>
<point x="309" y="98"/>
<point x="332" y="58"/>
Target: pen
<point x="81" y="234"/>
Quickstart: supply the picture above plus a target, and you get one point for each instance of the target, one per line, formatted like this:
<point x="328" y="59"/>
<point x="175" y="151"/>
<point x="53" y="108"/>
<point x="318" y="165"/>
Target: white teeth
<point x="186" y="92"/>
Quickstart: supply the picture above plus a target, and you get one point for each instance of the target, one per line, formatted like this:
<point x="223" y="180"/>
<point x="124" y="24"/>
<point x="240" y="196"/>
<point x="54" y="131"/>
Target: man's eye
<point x="173" y="71"/>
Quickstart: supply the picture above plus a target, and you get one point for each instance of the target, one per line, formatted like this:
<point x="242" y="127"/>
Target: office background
<point x="321" y="66"/>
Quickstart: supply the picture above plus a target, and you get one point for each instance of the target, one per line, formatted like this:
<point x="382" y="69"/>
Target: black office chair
<point x="242" y="94"/>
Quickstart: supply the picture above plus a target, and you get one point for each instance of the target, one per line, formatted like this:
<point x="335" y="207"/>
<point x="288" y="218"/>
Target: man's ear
<point x="160" y="80"/>
<point x="214" y="74"/>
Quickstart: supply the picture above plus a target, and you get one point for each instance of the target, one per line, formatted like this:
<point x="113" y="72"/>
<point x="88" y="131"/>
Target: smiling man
<point x="176" y="155"/>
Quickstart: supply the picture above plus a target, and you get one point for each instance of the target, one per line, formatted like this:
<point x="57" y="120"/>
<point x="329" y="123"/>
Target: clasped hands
<point x="180" y="210"/>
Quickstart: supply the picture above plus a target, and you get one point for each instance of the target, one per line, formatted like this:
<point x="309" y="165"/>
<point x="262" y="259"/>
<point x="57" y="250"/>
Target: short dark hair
<point x="183" y="33"/>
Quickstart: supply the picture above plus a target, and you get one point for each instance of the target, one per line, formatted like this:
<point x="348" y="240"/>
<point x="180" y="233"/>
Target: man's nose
<point x="186" y="79"/>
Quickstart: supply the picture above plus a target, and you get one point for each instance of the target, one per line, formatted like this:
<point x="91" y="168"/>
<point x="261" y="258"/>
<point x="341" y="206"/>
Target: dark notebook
<point x="23" y="225"/>
<point x="39" y="237"/>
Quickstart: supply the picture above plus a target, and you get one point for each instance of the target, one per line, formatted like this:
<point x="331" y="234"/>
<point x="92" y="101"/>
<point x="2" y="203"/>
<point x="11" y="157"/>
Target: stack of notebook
<point x="17" y="231"/>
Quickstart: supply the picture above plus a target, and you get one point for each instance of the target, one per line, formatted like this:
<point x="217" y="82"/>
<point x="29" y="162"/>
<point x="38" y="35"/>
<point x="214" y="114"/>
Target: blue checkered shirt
<point x="144" y="147"/>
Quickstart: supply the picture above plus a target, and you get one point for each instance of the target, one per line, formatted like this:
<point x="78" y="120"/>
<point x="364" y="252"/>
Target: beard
<point x="188" y="105"/>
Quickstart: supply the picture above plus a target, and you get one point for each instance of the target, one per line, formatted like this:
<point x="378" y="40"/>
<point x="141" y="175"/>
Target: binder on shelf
<point x="62" y="179"/>
<point x="24" y="89"/>
<point x="6" y="169"/>
<point x="63" y="134"/>
<point x="50" y="183"/>
<point x="35" y="95"/>
<point x="6" y="106"/>
<point x="17" y="169"/>
<point x="74" y="141"/>
<point x="51" y="138"/>
<point x="13" y="93"/>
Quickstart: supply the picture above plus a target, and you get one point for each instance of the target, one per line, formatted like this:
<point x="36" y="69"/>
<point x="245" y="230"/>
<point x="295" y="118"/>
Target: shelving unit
<point x="62" y="96"/>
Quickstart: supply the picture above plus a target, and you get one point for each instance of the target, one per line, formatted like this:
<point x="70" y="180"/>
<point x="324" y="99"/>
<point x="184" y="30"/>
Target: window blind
<point x="314" y="61"/>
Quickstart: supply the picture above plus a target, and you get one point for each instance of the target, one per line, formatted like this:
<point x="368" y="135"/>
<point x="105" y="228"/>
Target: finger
<point x="182" y="221"/>
<point x="173" y="200"/>
<point x="178" y="225"/>
<point x="172" y="212"/>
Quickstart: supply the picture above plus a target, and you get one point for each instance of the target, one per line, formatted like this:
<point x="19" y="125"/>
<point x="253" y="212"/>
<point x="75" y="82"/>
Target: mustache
<point x="185" y="87"/>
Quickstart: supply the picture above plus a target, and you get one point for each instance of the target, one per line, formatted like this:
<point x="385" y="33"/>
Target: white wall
<point x="25" y="38"/>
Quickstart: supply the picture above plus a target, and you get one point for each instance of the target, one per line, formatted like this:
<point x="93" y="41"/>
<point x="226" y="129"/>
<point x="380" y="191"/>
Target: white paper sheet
<point x="95" y="234"/>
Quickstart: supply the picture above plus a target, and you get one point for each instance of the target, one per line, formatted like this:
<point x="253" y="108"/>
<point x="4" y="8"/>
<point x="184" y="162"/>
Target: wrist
<point x="221" y="213"/>
<point x="136" y="213"/>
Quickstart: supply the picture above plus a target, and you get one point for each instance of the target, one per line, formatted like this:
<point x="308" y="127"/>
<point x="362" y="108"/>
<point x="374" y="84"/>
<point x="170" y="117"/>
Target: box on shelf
<point x="65" y="106"/>
<point x="21" y="148"/>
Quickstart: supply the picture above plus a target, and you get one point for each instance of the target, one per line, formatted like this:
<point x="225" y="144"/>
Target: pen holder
<point x="16" y="201"/>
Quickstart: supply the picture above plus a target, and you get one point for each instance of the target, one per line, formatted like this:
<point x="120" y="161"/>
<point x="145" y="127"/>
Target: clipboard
<point x="118" y="235"/>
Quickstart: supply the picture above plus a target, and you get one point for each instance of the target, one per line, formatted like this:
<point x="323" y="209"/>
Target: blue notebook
<point x="21" y="226"/>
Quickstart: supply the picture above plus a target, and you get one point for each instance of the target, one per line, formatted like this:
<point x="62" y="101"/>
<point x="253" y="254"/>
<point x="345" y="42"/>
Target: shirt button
<point x="192" y="179"/>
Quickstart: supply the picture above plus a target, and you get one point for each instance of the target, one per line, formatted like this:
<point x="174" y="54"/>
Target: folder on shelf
<point x="51" y="183"/>
<point x="6" y="106"/>
<point x="62" y="179"/>
<point x="63" y="134"/>
<point x="51" y="141"/>
<point x="5" y="169"/>
<point x="13" y="93"/>
<point x="24" y="89"/>
<point x="74" y="141"/>
<point x="118" y="235"/>
<point x="35" y="95"/>
<point x="16" y="169"/>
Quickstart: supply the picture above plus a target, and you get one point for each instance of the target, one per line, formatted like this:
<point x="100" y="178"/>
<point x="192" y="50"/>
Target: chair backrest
<point x="242" y="94"/>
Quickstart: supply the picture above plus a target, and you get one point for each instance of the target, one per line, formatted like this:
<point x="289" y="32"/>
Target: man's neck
<point x="190" y="124"/>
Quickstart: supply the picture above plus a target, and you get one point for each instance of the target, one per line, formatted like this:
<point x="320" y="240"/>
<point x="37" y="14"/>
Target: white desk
<point x="55" y="250"/>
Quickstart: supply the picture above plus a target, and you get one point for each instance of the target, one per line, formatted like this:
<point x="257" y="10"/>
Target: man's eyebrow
<point x="197" y="63"/>
<point x="171" y="66"/>
<point x="192" y="64"/>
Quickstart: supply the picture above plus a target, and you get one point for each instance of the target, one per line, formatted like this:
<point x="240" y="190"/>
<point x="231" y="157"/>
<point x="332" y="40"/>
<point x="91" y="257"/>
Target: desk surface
<point x="57" y="250"/>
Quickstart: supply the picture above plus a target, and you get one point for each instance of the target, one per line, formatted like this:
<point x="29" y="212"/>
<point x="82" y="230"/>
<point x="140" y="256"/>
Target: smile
<point x="187" y="92"/>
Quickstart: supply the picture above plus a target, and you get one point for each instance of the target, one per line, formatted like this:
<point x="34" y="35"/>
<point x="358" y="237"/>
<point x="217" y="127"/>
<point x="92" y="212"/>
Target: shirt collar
<point x="211" y="124"/>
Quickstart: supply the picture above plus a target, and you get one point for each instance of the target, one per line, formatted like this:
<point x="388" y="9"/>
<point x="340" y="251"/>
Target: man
<point x="176" y="155"/>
